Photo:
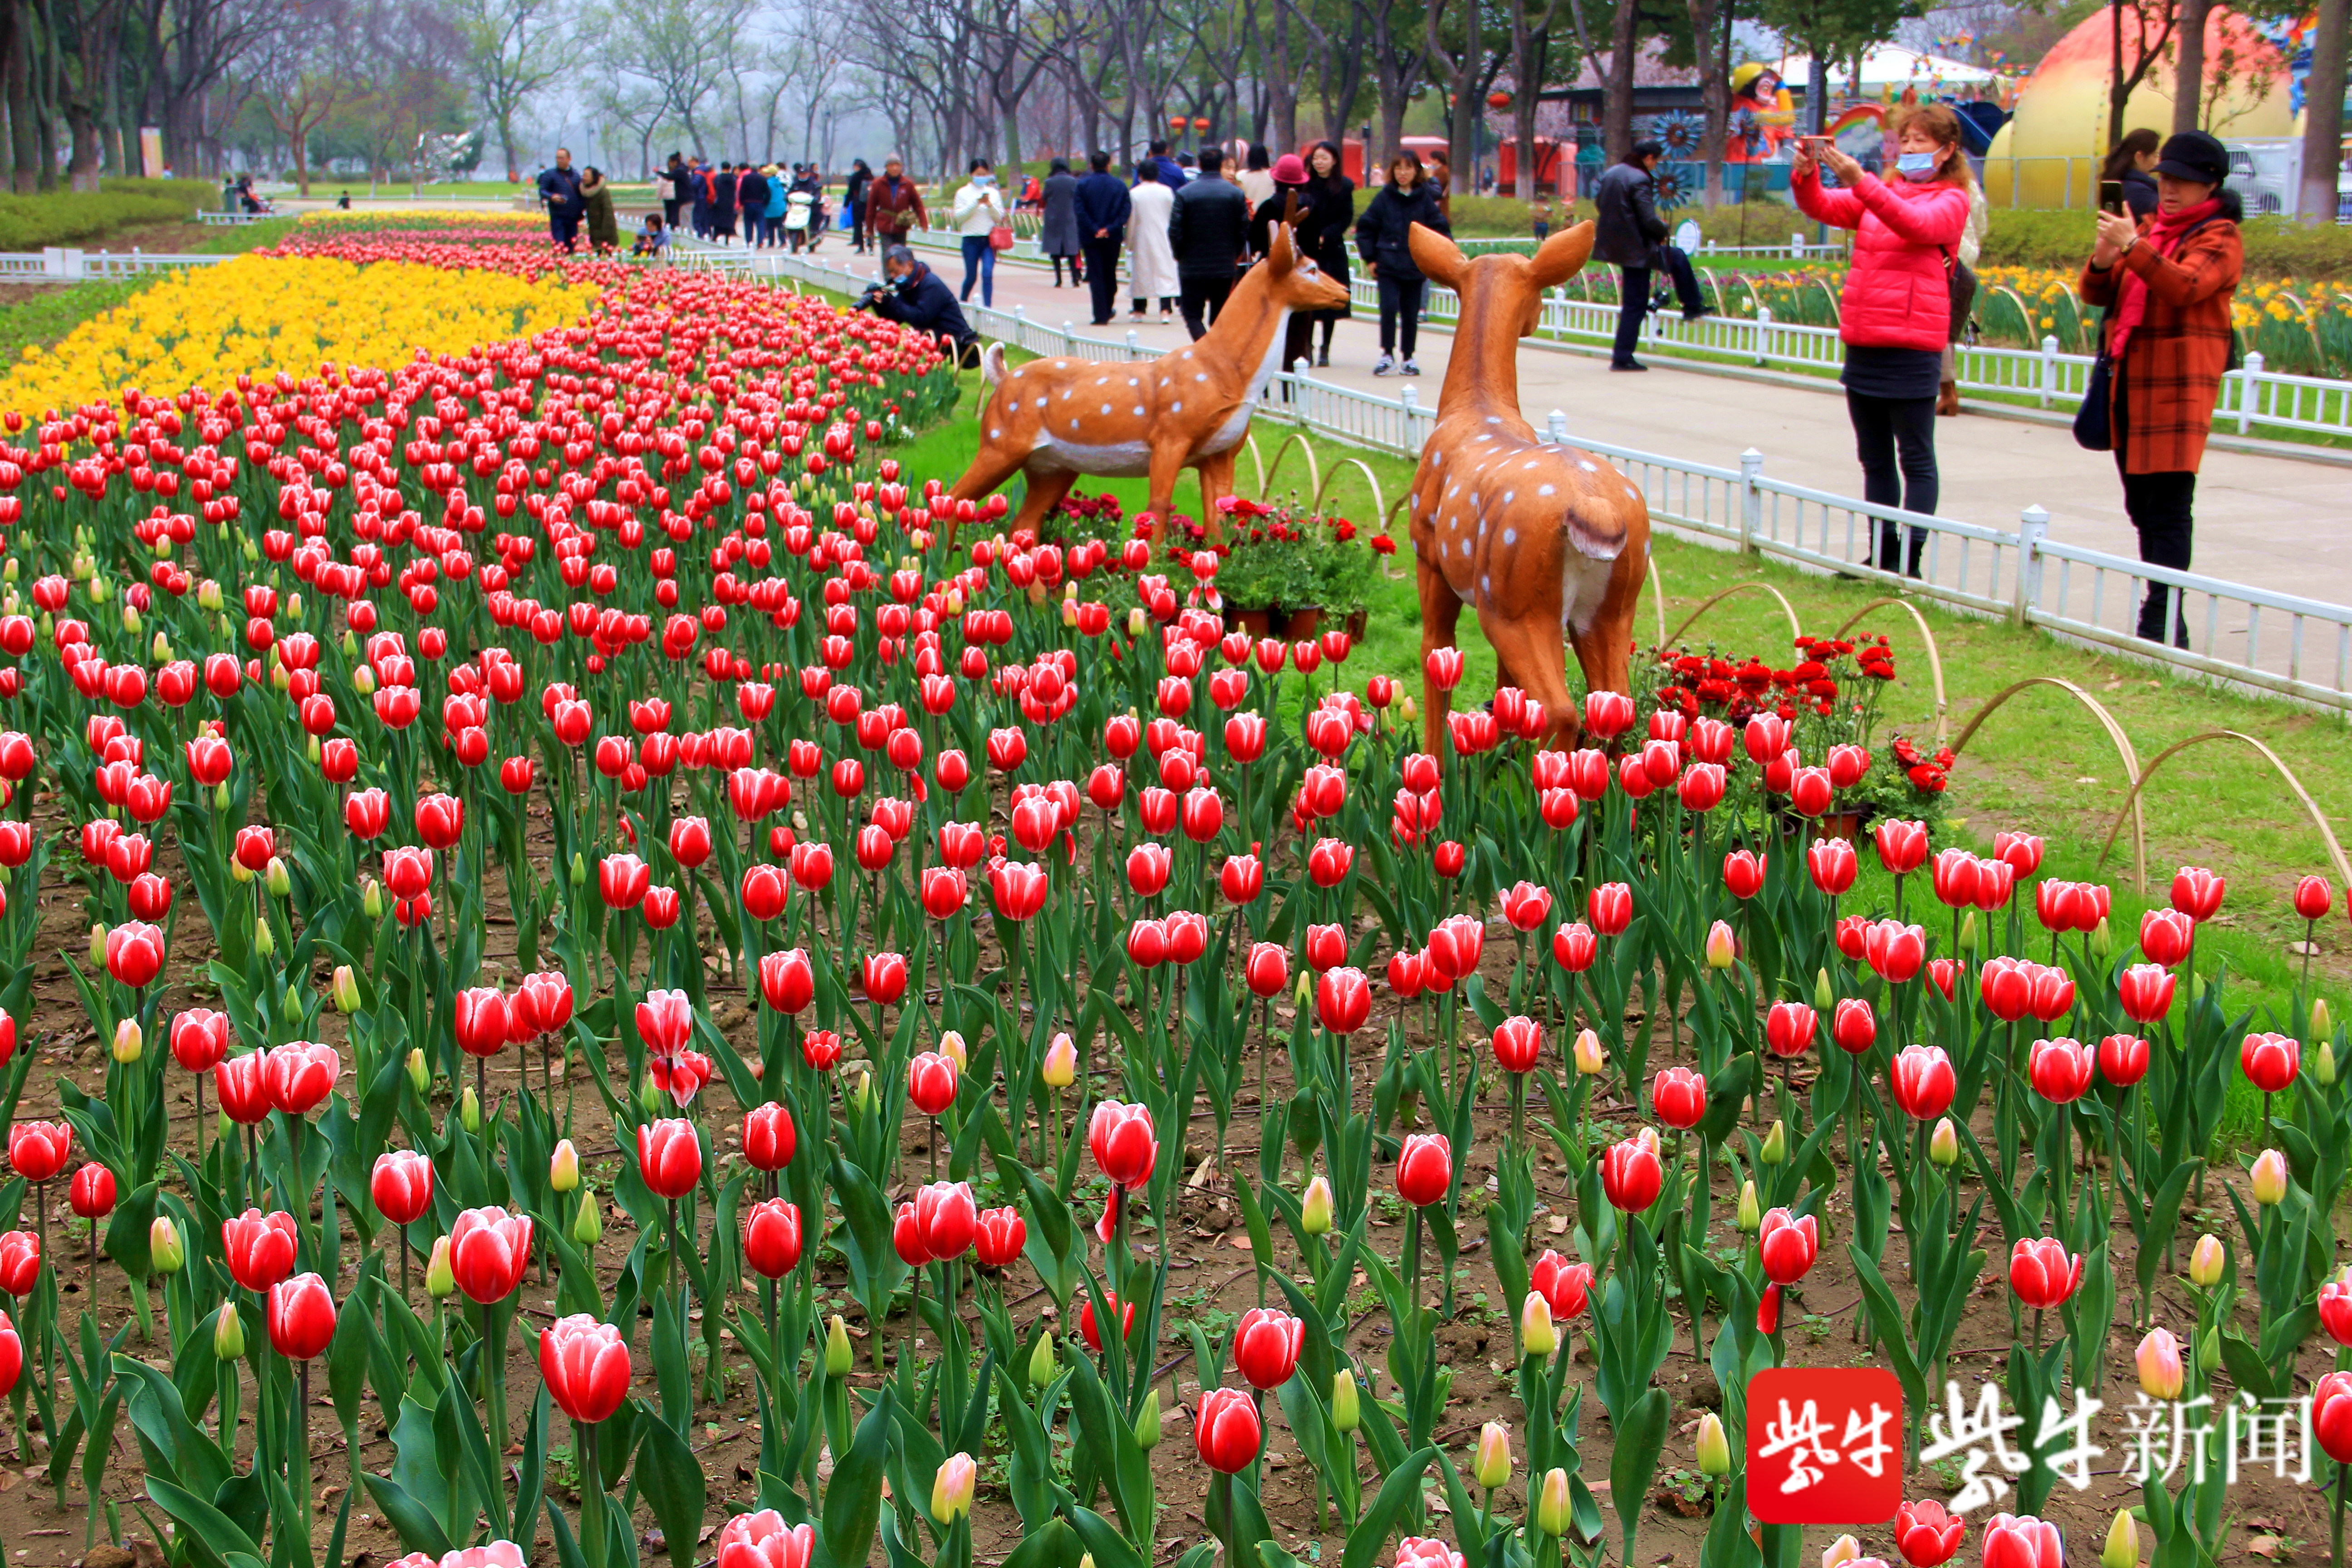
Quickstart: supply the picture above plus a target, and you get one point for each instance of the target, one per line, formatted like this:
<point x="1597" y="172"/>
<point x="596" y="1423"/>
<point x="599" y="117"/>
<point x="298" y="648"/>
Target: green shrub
<point x="70" y="217"/>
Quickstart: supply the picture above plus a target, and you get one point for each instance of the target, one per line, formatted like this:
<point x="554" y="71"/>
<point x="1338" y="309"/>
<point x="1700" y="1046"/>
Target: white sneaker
<point x="1410" y="368"/>
<point x="1386" y="364"/>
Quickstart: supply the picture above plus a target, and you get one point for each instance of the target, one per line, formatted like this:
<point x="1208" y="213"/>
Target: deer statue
<point x="1542" y="539"/>
<point x="1053" y="419"/>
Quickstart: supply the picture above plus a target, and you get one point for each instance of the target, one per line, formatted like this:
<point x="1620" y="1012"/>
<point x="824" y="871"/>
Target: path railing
<point x="63" y="264"/>
<point x="2240" y="634"/>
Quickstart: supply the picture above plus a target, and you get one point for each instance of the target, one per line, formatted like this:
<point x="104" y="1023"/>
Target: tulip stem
<point x="303" y="1441"/>
<point x="592" y="1492"/>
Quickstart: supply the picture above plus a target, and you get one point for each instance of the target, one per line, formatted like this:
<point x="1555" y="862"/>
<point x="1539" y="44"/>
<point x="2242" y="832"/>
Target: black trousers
<point x="1401" y="297"/>
<point x="1077" y="273"/>
<point x="1894" y="437"/>
<point x="1102" y="277"/>
<point x="1633" y="300"/>
<point x="857" y="233"/>
<point x="2161" y="507"/>
<point x="669" y="212"/>
<point x="1201" y="297"/>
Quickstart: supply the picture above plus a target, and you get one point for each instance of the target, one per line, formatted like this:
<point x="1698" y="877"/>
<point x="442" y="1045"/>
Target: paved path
<point x="2277" y="522"/>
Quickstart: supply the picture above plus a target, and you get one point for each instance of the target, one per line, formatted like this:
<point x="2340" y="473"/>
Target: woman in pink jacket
<point x="1895" y="314"/>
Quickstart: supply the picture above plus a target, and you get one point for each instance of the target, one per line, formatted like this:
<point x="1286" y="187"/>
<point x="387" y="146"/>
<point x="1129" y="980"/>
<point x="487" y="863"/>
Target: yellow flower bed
<point x="257" y="315"/>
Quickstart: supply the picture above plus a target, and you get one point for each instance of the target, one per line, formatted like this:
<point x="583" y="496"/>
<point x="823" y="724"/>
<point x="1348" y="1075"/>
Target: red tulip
<point x="1526" y="905"/>
<point x="1678" y="1097"/>
<point x="669" y="1157"/>
<point x="199" y="1038"/>
<point x="91" y="1191"/>
<point x="541" y="1003"/>
<point x="20" y="1262"/>
<point x="2006" y="985"/>
<point x="2335" y="1310"/>
<point x="1241" y="879"/>
<point x="761" y="1540"/>
<point x="2145" y="992"/>
<point x="2059" y="1070"/>
<point x="300" y="1074"/>
<point x="37" y="1150"/>
<point x="1832" y="863"/>
<point x="769" y="1137"/>
<point x="1922" y="1082"/>
<point x="2314" y="898"/>
<point x="771" y="1238"/>
<point x="1789" y="1028"/>
<point x="1425" y="1172"/>
<point x="586" y="1366"/>
<point x="1327" y="947"/>
<point x="1902" y="845"/>
<point x="2041" y="1274"/>
<point x="1226" y="1429"/>
<point x="1343" y="999"/>
<point x="1926" y="1535"/>
<point x="259" y="1247"/>
<point x="1743" y="874"/>
<point x="1894" y="950"/>
<point x="1123" y="1310"/>
<point x="932" y="1083"/>
<point x="1000" y="1236"/>
<point x="1566" y="1287"/>
<point x="884" y="977"/>
<point x="301" y="1317"/>
<point x="787" y="982"/>
<point x="1573" y="947"/>
<point x="1810" y="791"/>
<point x="621" y="882"/>
<point x="666" y="1022"/>
<point x="1020" y="890"/>
<point x="1266" y="1345"/>
<point x="948" y="1219"/>
<point x="135" y="954"/>
<point x="1853" y="1026"/>
<point x="2022" y="1542"/>
<point x="1268" y="970"/>
<point x="2050" y="995"/>
<point x="2197" y="892"/>
<point x="1956" y="878"/>
<point x="2270" y="1061"/>
<point x="408" y="871"/>
<point x="2331" y="1415"/>
<point x="1146" y="943"/>
<point x="402" y="1186"/>
<point x="1787" y="1245"/>
<point x="1631" y="1176"/>
<point x="1518" y="1042"/>
<point x="2123" y="1059"/>
<point x="1120" y="1137"/>
<point x="484" y="1023"/>
<point x="488" y="1251"/>
<point x="244" y="1090"/>
<point x="1610" y="908"/>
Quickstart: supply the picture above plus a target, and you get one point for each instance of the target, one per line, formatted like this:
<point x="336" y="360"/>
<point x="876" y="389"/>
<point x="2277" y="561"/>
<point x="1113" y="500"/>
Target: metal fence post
<point x="1070" y="339"/>
<point x="2033" y="528"/>
<point x="1763" y="334"/>
<point x="1134" y="345"/>
<point x="2247" y="374"/>
<point x="1751" y="499"/>
<point x="1556" y="427"/>
<point x="2049" y="370"/>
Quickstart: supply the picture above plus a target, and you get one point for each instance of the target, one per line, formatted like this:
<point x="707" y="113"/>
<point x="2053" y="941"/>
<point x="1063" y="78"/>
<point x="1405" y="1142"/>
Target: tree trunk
<point x="83" y="168"/>
<point x="1715" y="90"/>
<point x="2118" y="91"/>
<point x="2323" y="114"/>
<point x="1617" y="97"/>
<point x="2188" y="70"/>
<point x="1012" y="149"/>
<point x="1817" y="93"/>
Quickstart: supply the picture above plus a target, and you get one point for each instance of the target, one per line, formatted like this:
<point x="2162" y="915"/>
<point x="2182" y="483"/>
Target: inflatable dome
<point x="2048" y="155"/>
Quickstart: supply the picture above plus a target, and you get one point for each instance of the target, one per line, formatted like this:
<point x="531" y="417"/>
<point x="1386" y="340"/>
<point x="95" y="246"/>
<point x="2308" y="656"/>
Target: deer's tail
<point x="992" y="364"/>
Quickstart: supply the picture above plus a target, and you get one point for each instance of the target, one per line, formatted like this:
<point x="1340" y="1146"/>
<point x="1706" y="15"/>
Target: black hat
<point x="2195" y="155"/>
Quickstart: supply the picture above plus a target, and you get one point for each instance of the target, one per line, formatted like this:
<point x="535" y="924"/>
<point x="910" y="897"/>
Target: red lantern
<point x="1176" y="123"/>
<point x="1498" y="101"/>
<point x="1201" y="124"/>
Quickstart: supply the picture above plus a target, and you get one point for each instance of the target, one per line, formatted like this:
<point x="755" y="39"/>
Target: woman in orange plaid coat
<point x="2167" y="281"/>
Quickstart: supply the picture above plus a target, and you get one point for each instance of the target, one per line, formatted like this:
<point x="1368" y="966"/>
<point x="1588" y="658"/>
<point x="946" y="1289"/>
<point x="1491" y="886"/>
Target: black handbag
<point x="2095" y="421"/>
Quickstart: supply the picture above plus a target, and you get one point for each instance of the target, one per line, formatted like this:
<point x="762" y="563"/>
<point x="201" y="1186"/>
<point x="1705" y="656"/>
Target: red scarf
<point x="2166" y="235"/>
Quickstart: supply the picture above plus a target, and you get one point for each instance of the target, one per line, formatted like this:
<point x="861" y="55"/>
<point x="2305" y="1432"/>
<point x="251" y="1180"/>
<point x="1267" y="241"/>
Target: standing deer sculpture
<point x="1053" y="419"/>
<point x="1541" y="538"/>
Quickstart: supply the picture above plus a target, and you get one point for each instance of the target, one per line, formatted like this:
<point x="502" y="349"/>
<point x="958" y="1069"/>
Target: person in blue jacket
<point x="1103" y="210"/>
<point x="919" y="298"/>
<point x="558" y="192"/>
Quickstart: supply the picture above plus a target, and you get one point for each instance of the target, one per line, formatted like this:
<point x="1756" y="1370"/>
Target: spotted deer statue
<point x="1053" y="419"/>
<point x="1541" y="539"/>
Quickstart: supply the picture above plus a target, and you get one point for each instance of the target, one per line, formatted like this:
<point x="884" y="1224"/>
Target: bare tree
<point x="2323" y="114"/>
<point x="514" y="48"/>
<point x="1399" y="53"/>
<point x="303" y="75"/>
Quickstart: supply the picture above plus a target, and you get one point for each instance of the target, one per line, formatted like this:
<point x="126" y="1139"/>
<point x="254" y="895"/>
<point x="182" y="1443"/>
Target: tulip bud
<point x="440" y="1280"/>
<point x="649" y="1096"/>
<point x="263" y="943"/>
<point x="1590" y="1060"/>
<point x="239" y="872"/>
<point x="1537" y="1335"/>
<point x="131" y="619"/>
<point x="370" y="890"/>
<point x="1552" y="1512"/>
<point x="2209" y="1351"/>
<point x="98" y="947"/>
<point x="2269" y="1177"/>
<point x="2322" y="1065"/>
<point x="2122" y="1548"/>
<point x="420" y="1076"/>
<point x="588" y="1228"/>
<point x="1146" y="1423"/>
<point x="1061" y="1067"/>
<point x="951" y="1047"/>
<point x="161" y="649"/>
<point x="165" y="1251"/>
<point x="363" y="681"/>
<point x="2158" y="1361"/>
<point x="1843" y="1549"/>
<point x="1714" y="1448"/>
<point x="1825" y="996"/>
<point x="1491" y="1464"/>
<point x="563" y="1167"/>
<point x="346" y="989"/>
<point x="1944" y="1144"/>
<point x="1042" y="1364"/>
<point x="1314" y="1208"/>
<point x="2196" y="988"/>
<point x="1722" y="947"/>
<point x="469" y="1111"/>
<point x="128" y="1043"/>
<point x="2103" y="941"/>
<point x="2205" y="1262"/>
<point x="1776" y="1146"/>
<point x="2323" y="1024"/>
<point x="579" y="870"/>
<point x="276" y="879"/>
<point x="837" y="1348"/>
<point x="220" y="801"/>
<point x="1968" y="933"/>
<point x="281" y="679"/>
<point x="1070" y="608"/>
<point x="1138" y="622"/>
<point x="350" y="645"/>
<point x="1751" y="1213"/>
<point x="1347" y="1412"/>
<point x="293" y="1006"/>
<point x="228" y="1333"/>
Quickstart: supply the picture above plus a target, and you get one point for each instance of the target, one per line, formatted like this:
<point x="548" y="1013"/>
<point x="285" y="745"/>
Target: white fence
<point x="2249" y="636"/>
<point x="60" y="264"/>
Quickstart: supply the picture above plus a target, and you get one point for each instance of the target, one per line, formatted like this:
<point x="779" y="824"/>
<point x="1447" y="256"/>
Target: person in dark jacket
<point x="697" y="190"/>
<point x="853" y="195"/>
<point x="1058" y="236"/>
<point x="919" y="298"/>
<point x="1102" y="209"/>
<point x="752" y="195"/>
<point x="1384" y="239"/>
<point x="672" y="187"/>
<point x="2131" y="164"/>
<point x="893" y="206"/>
<point x="1325" y="238"/>
<point x="1631" y="235"/>
<point x="1167" y="170"/>
<point x="1293" y="201"/>
<point x="596" y="198"/>
<point x="558" y="192"/>
<point x="1208" y="230"/>
<point x="722" y="202"/>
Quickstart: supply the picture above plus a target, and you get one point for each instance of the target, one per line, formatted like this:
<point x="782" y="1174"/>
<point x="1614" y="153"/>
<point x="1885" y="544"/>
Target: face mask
<point x="983" y="180"/>
<point x="1918" y="166"/>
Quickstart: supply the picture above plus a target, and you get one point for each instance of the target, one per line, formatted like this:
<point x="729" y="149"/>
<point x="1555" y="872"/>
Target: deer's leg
<point x="1441" y="613"/>
<point x="1603" y="648"/>
<point x="1045" y="493"/>
<point x="992" y="465"/>
<point x="1216" y="484"/>
<point x="1166" y="463"/>
<point x="1529" y="646"/>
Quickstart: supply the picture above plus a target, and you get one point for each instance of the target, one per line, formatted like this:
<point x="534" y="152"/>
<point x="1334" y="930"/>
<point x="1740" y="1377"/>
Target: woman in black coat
<point x="1058" y="235"/>
<point x="854" y="197"/>
<point x="1326" y="233"/>
<point x="1384" y="239"/>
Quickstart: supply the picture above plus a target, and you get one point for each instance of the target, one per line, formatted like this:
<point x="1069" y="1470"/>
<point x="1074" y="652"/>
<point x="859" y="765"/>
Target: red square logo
<point x="1824" y="1445"/>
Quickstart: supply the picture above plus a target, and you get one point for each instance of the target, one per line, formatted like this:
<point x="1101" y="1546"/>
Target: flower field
<point x="592" y="970"/>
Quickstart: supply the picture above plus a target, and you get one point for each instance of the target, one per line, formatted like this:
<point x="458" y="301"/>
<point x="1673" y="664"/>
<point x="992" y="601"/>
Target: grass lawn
<point x="2043" y="763"/>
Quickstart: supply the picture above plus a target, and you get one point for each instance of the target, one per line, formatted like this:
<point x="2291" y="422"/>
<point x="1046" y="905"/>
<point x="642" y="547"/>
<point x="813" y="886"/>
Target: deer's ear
<point x="1561" y="256"/>
<point x="1439" y="259"/>
<point x="1282" y="252"/>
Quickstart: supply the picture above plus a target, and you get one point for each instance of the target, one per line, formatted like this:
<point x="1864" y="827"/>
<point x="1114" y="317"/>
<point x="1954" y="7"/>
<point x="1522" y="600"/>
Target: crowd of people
<point x="2163" y="271"/>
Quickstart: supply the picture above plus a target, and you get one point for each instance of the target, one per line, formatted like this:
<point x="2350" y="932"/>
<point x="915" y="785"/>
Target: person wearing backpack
<point x="2167" y="281"/>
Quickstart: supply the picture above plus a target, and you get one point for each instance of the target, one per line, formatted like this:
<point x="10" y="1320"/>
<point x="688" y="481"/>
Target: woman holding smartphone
<point x="1895" y="312"/>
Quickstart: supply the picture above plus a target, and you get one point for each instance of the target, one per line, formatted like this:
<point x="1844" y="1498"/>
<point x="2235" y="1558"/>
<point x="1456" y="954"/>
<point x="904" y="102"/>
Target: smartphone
<point x="1814" y="145"/>
<point x="2111" y="196"/>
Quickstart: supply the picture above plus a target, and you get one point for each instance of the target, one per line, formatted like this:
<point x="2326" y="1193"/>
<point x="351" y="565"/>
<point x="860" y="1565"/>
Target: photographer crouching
<point x="917" y="297"/>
